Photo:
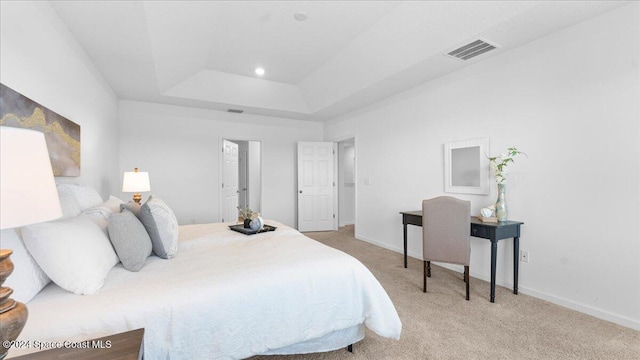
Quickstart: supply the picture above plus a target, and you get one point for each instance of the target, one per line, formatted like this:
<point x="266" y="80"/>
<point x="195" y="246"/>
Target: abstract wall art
<point x="62" y="135"/>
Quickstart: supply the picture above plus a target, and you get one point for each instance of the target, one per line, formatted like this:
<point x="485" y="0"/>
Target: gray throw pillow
<point x="132" y="206"/>
<point x="129" y="239"/>
<point x="162" y="226"/>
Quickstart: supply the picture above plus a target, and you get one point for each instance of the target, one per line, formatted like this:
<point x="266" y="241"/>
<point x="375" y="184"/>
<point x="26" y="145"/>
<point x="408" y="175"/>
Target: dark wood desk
<point x="490" y="231"/>
<point x="124" y="346"/>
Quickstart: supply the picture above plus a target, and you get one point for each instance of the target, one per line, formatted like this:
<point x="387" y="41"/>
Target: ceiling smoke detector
<point x="472" y="49"/>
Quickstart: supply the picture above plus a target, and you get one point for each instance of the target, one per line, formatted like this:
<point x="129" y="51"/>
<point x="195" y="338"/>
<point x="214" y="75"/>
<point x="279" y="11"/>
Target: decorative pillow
<point x="132" y="206"/>
<point x="106" y="209"/>
<point x="98" y="220"/>
<point x="130" y="239"/>
<point x="68" y="202"/>
<point x="74" y="253"/>
<point x="27" y="278"/>
<point x="162" y="226"/>
<point x="86" y="196"/>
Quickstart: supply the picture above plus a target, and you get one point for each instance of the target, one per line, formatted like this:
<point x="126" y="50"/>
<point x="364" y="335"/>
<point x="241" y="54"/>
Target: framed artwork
<point x="62" y="135"/>
<point x="467" y="167"/>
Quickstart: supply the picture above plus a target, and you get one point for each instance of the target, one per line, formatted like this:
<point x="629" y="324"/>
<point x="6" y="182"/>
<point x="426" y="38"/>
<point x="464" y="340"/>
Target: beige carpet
<point x="442" y="325"/>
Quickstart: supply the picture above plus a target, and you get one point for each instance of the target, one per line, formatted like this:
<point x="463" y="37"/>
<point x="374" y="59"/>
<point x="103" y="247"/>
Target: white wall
<point x="571" y="102"/>
<point x="180" y="148"/>
<point x="40" y="59"/>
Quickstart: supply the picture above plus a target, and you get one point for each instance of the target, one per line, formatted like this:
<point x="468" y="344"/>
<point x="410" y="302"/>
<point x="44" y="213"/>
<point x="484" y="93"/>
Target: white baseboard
<point x="346" y="223"/>
<point x="383" y="245"/>
<point x="586" y="309"/>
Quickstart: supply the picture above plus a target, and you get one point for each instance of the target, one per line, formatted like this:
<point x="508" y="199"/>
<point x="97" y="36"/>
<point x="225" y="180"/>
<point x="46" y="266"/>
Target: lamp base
<point x="11" y="324"/>
<point x="137" y="197"/>
<point x="13" y="314"/>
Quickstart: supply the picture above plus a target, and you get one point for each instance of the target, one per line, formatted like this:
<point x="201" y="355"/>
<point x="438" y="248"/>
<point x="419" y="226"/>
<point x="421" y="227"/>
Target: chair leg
<point x="428" y="268"/>
<point x="466" y="279"/>
<point x="424" y="276"/>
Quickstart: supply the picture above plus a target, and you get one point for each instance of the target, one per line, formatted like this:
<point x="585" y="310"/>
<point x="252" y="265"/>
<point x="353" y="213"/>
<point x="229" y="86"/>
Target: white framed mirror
<point x="466" y="167"/>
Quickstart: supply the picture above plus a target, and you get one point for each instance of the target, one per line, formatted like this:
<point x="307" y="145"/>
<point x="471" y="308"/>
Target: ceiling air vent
<point x="235" y="111"/>
<point x="472" y="50"/>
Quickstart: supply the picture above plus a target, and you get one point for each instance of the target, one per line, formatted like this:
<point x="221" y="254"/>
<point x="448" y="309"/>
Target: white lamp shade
<point x="27" y="189"/>
<point x="137" y="181"/>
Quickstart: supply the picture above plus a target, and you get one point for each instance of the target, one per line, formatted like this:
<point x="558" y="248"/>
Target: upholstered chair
<point x="445" y="234"/>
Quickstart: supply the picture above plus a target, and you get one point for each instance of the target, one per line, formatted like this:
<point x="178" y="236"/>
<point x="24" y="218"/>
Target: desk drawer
<point x="410" y="219"/>
<point x="479" y="231"/>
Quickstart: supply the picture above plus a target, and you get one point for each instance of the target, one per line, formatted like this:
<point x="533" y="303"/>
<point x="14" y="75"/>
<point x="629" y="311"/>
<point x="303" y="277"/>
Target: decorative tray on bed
<point x="247" y="231"/>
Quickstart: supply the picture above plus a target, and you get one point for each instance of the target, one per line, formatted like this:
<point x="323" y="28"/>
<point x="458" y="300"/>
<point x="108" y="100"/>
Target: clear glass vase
<point x="501" y="203"/>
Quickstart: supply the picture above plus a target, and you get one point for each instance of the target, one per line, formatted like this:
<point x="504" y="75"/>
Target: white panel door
<point x="316" y="186"/>
<point x="229" y="181"/>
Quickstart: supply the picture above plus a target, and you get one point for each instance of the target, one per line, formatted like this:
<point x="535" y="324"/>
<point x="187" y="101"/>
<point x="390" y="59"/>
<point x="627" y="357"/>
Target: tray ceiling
<point x="345" y="55"/>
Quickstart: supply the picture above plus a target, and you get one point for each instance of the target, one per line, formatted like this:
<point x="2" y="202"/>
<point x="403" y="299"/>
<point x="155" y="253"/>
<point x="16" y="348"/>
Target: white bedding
<point x="224" y="295"/>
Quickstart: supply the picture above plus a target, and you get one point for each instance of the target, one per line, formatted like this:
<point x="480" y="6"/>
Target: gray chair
<point x="445" y="234"/>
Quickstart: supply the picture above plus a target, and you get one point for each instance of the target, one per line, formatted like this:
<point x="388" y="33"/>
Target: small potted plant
<point x="499" y="165"/>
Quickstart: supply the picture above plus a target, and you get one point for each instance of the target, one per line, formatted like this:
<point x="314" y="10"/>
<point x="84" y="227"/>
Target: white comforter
<point x="224" y="295"/>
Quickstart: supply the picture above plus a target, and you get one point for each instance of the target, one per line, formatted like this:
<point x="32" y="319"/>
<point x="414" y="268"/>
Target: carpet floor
<point x="441" y="324"/>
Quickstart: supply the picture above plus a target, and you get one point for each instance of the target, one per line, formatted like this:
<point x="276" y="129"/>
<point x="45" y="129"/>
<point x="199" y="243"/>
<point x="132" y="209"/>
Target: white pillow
<point x="86" y="196"/>
<point x="106" y="209"/>
<point x="27" y="278"/>
<point x="74" y="253"/>
<point x="102" y="223"/>
<point x="68" y="202"/>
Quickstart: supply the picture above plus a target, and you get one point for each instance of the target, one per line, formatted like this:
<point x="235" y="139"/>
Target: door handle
<point x="300" y="191"/>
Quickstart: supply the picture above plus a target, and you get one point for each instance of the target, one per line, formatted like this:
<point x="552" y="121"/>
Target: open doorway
<point x="249" y="174"/>
<point x="241" y="178"/>
<point x="346" y="182"/>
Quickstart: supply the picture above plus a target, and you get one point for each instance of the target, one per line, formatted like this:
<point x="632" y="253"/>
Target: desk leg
<point x="516" y="263"/>
<point x="404" y="225"/>
<point x="494" y="251"/>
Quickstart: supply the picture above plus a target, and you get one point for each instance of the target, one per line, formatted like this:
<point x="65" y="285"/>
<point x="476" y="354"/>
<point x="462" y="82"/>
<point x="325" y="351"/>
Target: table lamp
<point x="136" y="181"/>
<point x="27" y="196"/>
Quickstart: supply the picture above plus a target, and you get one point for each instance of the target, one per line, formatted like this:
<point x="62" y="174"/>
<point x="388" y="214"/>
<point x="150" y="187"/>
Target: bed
<point x="225" y="295"/>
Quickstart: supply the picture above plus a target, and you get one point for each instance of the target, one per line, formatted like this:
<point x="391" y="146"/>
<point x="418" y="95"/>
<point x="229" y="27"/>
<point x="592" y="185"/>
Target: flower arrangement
<point x="499" y="164"/>
<point x="246" y="214"/>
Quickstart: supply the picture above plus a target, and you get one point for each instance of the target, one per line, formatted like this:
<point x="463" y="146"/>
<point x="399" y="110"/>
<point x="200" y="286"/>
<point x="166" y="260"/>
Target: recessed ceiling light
<point x="259" y="71"/>
<point x="300" y="15"/>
